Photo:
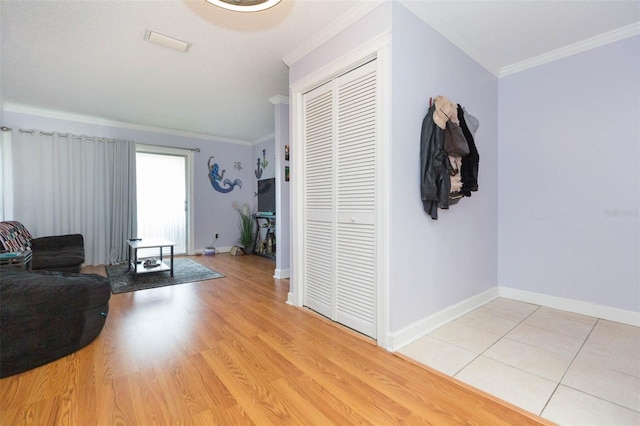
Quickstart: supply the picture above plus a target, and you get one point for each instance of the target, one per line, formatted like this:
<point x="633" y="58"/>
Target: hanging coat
<point x="470" y="162"/>
<point x="435" y="182"/>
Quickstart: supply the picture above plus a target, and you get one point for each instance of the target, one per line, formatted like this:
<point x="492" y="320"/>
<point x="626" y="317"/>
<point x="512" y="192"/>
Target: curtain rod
<point x="66" y="135"/>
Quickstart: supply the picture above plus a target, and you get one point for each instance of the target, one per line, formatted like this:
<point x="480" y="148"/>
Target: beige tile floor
<point x="569" y="368"/>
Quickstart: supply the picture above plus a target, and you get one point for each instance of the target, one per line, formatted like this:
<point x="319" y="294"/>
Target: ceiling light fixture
<point x="245" y="5"/>
<point x="166" y="41"/>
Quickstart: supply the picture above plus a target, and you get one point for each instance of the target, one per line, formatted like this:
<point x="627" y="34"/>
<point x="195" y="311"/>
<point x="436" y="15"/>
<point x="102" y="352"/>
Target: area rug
<point x="184" y="271"/>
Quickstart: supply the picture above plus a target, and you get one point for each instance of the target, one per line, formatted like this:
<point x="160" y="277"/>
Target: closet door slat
<point x="356" y="200"/>
<point x="318" y="200"/>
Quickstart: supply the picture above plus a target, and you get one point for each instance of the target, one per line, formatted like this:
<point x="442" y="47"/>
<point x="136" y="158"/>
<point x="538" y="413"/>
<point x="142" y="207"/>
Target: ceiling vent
<point x="166" y="41"/>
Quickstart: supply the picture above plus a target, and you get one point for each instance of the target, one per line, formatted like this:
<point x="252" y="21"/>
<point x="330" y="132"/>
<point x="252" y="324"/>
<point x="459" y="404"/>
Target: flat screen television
<point x="267" y="196"/>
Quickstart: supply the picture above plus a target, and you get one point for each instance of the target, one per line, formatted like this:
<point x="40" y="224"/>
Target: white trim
<point x="281" y="273"/>
<point x="297" y="192"/>
<point x="572" y="49"/>
<point x="357" y="56"/>
<point x="378" y="47"/>
<point x="421" y="328"/>
<point x="264" y="138"/>
<point x="349" y="18"/>
<point x="383" y="214"/>
<point x="161" y="149"/>
<point x="103" y="122"/>
<point x="291" y="299"/>
<point x="415" y="331"/>
<point x="571" y="305"/>
<point x="453" y="36"/>
<point x="226" y="249"/>
<point x="447" y="30"/>
<point x="188" y="155"/>
<point x="191" y="194"/>
<point x="279" y="99"/>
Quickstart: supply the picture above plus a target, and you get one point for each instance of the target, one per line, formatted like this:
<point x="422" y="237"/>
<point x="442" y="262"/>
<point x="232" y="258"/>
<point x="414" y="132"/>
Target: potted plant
<point x="245" y="226"/>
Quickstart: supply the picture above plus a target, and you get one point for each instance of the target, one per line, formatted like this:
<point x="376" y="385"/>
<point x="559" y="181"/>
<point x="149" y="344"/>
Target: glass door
<point x="162" y="196"/>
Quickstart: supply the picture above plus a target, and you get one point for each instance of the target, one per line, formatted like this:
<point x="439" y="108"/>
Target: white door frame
<point x="189" y="179"/>
<point x="378" y="48"/>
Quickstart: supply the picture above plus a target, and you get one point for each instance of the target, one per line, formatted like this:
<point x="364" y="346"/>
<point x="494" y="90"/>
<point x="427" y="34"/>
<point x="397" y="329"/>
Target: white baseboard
<point x="413" y="332"/>
<point x="291" y="300"/>
<point x="218" y="250"/>
<point x="426" y="325"/>
<point x="282" y="273"/>
<point x="571" y="305"/>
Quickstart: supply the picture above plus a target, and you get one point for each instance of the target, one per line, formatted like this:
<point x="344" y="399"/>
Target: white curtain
<point x="6" y="176"/>
<point x="123" y="200"/>
<point x="65" y="184"/>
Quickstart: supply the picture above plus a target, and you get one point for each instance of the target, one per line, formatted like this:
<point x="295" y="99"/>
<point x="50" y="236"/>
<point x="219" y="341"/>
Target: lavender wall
<point x="438" y="263"/>
<point x="270" y="155"/>
<point x="283" y="204"/>
<point x="569" y="177"/>
<point x="267" y="172"/>
<point x="213" y="211"/>
<point x="432" y="264"/>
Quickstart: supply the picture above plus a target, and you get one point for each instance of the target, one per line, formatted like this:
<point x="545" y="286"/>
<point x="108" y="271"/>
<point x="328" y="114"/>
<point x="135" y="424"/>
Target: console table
<point x="138" y="267"/>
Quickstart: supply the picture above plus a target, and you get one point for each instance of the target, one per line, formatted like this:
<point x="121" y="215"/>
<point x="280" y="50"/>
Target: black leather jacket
<point x="434" y="167"/>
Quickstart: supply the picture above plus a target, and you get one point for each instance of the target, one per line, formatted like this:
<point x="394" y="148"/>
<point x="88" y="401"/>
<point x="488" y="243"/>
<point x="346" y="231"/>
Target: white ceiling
<point x="90" y="59"/>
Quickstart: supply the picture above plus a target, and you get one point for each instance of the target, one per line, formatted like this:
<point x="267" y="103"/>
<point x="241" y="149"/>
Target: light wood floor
<point x="230" y="351"/>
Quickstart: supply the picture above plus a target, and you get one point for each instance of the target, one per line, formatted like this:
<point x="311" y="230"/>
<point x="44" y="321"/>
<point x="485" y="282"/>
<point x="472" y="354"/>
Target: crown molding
<point x="85" y="119"/>
<point x="263" y="139"/>
<point x="279" y="99"/>
<point x="349" y="18"/>
<point x="572" y="49"/>
<point x="445" y="29"/>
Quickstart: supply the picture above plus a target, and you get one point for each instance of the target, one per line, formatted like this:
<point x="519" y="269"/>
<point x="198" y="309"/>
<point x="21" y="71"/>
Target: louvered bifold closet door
<point x="318" y="200"/>
<point x="356" y="199"/>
